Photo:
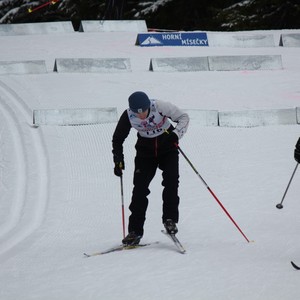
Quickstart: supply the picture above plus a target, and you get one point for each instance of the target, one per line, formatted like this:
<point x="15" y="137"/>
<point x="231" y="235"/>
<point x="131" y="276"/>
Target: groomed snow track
<point x="23" y="204"/>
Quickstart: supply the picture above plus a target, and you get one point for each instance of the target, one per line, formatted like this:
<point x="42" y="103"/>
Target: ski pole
<point x="122" y="200"/>
<point x="279" y="205"/>
<point x="212" y="193"/>
<point x="52" y="2"/>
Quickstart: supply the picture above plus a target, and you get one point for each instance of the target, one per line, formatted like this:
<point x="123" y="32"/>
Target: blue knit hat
<point x="138" y="102"/>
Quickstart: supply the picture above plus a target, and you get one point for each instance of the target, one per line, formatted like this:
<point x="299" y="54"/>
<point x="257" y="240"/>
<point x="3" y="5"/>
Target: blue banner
<point x="172" y="39"/>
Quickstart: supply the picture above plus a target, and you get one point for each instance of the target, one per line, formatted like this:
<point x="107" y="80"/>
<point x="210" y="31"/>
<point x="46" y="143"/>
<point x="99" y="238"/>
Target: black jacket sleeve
<point x="121" y="132"/>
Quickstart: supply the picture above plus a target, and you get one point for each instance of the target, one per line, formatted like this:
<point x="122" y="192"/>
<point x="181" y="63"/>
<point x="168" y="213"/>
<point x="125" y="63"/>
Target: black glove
<point x="298" y="145"/>
<point x="297" y="155"/>
<point x="171" y="138"/>
<point x="119" y="166"/>
<point x="297" y="152"/>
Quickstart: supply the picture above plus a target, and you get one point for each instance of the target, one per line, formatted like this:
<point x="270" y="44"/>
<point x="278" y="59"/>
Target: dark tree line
<point x="261" y="14"/>
<point x="168" y="14"/>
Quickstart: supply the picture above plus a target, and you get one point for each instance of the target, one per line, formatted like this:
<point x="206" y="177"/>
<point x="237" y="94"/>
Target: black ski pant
<point x="145" y="169"/>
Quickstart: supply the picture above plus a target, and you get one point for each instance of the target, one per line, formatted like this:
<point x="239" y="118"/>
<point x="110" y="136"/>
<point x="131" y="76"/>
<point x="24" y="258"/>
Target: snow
<point x="60" y="198"/>
<point x="152" y="7"/>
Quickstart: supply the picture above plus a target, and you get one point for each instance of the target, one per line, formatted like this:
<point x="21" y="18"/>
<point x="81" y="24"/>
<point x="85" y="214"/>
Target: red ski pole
<point x="212" y="193"/>
<point x="30" y="10"/>
<point x="122" y="200"/>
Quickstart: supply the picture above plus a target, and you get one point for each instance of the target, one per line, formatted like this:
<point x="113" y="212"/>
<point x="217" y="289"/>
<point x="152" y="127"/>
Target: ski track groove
<point x="21" y="182"/>
<point x="83" y="164"/>
<point x="25" y="217"/>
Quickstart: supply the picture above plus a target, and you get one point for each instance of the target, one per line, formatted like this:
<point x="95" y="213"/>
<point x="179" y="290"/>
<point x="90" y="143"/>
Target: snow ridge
<point x="30" y="171"/>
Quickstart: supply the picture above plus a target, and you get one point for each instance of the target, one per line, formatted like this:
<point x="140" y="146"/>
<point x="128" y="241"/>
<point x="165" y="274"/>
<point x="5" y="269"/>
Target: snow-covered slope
<point x="59" y="197"/>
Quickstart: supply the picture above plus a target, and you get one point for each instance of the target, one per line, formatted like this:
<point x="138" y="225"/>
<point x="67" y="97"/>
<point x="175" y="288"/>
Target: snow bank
<point x="129" y="26"/>
<point x="79" y="116"/>
<point x="36" y="28"/>
<point x="92" y="65"/>
<point x="23" y="67"/>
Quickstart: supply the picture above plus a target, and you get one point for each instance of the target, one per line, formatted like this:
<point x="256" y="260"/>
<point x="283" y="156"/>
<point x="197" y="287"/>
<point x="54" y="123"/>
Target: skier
<point x="156" y="147"/>
<point x="297" y="152"/>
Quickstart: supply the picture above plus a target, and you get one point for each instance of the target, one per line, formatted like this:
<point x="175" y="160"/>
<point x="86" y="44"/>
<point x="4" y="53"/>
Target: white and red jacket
<point x="151" y="130"/>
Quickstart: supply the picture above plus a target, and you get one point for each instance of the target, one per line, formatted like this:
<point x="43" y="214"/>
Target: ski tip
<point x="295" y="266"/>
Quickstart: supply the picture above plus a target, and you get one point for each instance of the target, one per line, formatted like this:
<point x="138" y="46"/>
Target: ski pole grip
<point x="167" y="132"/>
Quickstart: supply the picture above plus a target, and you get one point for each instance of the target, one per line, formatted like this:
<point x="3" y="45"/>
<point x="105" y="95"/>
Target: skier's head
<point x="138" y="102"/>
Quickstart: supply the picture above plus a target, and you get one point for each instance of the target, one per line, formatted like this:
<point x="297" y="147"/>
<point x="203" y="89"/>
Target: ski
<point x="176" y="242"/>
<point x="119" y="248"/>
<point x="295" y="266"/>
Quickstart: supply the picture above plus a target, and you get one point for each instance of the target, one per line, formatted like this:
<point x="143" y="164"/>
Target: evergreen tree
<point x="163" y="14"/>
<point x="17" y="11"/>
<point x="260" y="14"/>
